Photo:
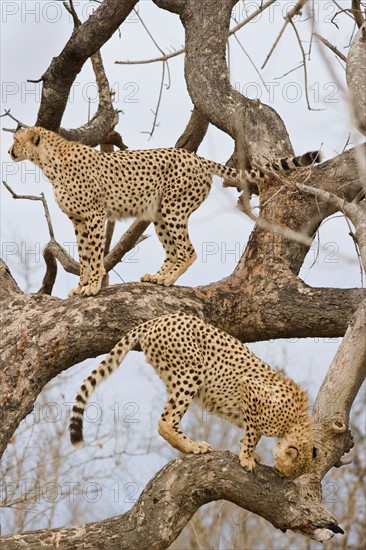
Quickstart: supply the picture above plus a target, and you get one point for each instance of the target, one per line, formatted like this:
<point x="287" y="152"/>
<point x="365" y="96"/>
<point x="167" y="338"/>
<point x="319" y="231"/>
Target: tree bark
<point x="337" y="394"/>
<point x="178" y="490"/>
<point x="263" y="298"/>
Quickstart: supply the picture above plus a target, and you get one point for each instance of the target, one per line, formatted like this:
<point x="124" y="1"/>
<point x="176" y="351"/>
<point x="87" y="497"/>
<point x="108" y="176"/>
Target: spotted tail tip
<point x="312" y="157"/>
<point x="76" y="431"/>
<point x="76" y="439"/>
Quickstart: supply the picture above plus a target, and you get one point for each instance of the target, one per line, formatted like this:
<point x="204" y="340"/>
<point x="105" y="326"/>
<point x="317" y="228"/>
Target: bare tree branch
<point x="54" y="251"/>
<point x="170" y="55"/>
<point x="357" y="13"/>
<point x="356" y="70"/>
<point x="330" y="46"/>
<point x="290" y="14"/>
<point x="194" y="133"/>
<point x="178" y="490"/>
<point x="8" y="286"/>
<point x="34" y="198"/>
<point x="84" y="42"/>
<point x="356" y="212"/>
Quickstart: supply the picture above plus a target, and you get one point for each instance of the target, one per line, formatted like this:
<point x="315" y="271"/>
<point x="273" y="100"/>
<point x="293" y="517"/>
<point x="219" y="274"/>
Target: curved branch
<point x="84" y="42"/>
<point x="357" y="13"/>
<point x="206" y="69"/>
<point x="338" y="392"/>
<point x="194" y="133"/>
<point x="178" y="490"/>
<point x="8" y="286"/>
<point x="54" y="251"/>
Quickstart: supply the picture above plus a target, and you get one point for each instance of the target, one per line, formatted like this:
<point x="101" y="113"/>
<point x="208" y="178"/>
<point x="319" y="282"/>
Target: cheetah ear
<point x="34" y="136"/>
<point x="292" y="452"/>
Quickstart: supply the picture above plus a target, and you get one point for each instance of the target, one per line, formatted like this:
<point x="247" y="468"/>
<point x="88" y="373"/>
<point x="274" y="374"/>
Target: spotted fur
<point x="160" y="185"/>
<point x="197" y="361"/>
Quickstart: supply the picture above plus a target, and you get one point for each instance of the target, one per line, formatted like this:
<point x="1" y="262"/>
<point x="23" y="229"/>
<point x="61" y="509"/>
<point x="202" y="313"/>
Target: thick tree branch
<point x="60" y="333"/>
<point x="174" y="6"/>
<point x="338" y="392"/>
<point x="172" y="497"/>
<point x="194" y="133"/>
<point x="206" y="69"/>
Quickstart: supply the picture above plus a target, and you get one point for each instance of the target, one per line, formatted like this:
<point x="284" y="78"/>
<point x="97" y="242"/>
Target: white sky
<point x="34" y="32"/>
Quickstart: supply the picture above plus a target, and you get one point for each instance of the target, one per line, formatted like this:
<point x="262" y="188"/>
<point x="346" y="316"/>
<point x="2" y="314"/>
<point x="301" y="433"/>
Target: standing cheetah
<point x="160" y="185"/>
<point x="197" y="361"/>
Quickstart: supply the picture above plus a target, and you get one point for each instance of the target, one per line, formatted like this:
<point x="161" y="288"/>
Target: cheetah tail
<point x="286" y="164"/>
<point x="254" y="174"/>
<point x="104" y="369"/>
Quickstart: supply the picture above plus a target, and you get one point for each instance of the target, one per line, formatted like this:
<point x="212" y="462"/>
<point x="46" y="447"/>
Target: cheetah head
<point x="25" y="146"/>
<point x="293" y="459"/>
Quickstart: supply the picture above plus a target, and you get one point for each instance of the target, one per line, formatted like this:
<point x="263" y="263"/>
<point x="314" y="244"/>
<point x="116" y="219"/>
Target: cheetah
<point x="197" y="361"/>
<point x="160" y="185"/>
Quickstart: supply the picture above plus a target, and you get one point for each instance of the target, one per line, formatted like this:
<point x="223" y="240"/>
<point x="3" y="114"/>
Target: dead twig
<point x="34" y="198"/>
<point x="303" y="64"/>
<point x="167" y="56"/>
<point x="70" y="8"/>
<point x="19" y="123"/>
<point x="355" y="211"/>
<point x="290" y="14"/>
<point x="330" y="46"/>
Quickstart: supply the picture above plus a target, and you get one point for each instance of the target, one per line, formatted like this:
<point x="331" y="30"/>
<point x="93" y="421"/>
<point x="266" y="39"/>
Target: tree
<point x="264" y="297"/>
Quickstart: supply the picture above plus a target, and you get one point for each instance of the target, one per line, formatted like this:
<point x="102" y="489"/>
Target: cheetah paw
<point x="201" y="448"/>
<point x="90" y="290"/>
<point x="156" y="279"/>
<point x="74" y="292"/>
<point x="248" y="463"/>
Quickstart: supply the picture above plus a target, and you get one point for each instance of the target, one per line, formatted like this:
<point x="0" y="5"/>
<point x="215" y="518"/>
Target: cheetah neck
<point x="300" y="433"/>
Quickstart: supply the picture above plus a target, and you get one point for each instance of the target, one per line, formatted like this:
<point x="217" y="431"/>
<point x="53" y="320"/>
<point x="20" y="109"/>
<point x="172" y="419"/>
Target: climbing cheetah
<point x="197" y="361"/>
<point x="162" y="185"/>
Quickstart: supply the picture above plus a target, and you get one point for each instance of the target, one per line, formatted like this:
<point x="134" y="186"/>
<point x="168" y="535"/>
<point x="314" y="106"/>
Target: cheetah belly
<point x="125" y="207"/>
<point x="222" y="403"/>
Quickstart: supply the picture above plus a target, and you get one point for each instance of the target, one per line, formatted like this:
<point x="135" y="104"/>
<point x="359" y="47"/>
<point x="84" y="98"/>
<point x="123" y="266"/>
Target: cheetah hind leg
<point x="179" y="250"/>
<point x="170" y="260"/>
<point x="168" y="427"/>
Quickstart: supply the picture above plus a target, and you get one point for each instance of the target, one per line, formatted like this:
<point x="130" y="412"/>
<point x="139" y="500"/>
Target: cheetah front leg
<point x="95" y="228"/>
<point x="249" y="400"/>
<point x="81" y="234"/>
<point x="247" y="456"/>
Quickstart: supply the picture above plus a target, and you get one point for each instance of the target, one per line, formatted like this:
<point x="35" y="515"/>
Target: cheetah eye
<point x="315" y="452"/>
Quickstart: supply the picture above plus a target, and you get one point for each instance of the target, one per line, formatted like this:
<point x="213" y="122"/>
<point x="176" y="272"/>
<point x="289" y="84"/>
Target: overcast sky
<point x="34" y="32"/>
